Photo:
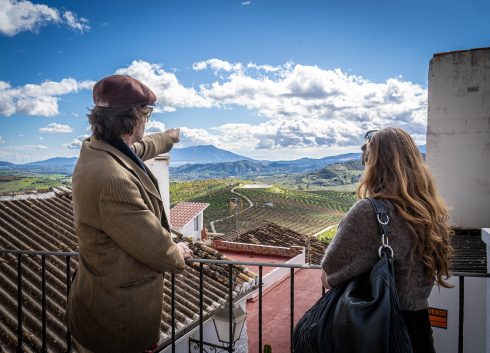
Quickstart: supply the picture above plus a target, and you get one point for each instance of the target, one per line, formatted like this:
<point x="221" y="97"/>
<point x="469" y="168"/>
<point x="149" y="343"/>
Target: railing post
<point x="43" y="302"/>
<point x="292" y="310"/>
<point x="19" y="303"/>
<point x="260" y="309"/>
<point x="201" y="274"/>
<point x="172" y="281"/>
<point x="230" y="314"/>
<point x="461" y="315"/>
<point x="68" y="284"/>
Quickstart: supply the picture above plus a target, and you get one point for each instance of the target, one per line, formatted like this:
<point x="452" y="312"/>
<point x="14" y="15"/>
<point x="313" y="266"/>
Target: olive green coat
<point x="115" y="301"/>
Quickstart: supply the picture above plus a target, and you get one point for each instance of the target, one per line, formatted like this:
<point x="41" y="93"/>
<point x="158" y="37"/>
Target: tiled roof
<point x="184" y="212"/>
<point x="272" y="234"/>
<point x="45" y="222"/>
<point x="470" y="253"/>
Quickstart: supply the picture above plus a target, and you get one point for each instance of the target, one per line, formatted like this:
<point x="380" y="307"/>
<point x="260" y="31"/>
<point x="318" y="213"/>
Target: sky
<point x="268" y="79"/>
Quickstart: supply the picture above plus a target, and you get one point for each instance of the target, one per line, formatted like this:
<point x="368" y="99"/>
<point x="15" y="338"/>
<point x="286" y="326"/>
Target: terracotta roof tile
<point x="272" y="234"/>
<point x="184" y="212"/>
<point x="45" y="222"/>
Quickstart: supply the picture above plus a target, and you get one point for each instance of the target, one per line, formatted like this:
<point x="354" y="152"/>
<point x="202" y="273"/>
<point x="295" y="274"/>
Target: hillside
<point x="336" y="174"/>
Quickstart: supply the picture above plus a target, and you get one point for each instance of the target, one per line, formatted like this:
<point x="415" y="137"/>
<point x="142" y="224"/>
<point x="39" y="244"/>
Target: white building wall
<point x="188" y="229"/>
<point x="458" y="134"/>
<point x="159" y="166"/>
<point x="475" y="331"/>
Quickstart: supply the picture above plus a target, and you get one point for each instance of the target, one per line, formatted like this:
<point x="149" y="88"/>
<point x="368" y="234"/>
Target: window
<point x="196" y="223"/>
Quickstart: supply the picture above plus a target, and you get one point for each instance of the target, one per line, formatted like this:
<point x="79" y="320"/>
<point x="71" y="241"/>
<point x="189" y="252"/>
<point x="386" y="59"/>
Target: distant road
<point x="250" y="205"/>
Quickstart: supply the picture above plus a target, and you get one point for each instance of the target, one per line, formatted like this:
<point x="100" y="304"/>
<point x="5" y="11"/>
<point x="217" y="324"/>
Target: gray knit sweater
<point x="354" y="250"/>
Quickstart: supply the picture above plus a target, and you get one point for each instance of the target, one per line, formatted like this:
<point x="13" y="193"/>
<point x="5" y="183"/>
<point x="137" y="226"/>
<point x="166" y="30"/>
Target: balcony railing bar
<point x="292" y="309"/>
<point x="253" y="263"/>
<point x="68" y="284"/>
<point x="43" y="302"/>
<point x="43" y="254"/>
<point x="201" y="299"/>
<point x="260" y="308"/>
<point x="19" y="303"/>
<point x="230" y="305"/>
<point x="172" y="281"/>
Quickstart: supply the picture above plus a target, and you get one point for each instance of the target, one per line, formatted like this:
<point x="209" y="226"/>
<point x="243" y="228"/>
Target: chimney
<point x="458" y="134"/>
<point x="159" y="166"/>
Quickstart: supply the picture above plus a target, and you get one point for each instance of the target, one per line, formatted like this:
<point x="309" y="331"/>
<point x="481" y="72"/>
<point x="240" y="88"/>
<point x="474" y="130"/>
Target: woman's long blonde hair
<point x="395" y="170"/>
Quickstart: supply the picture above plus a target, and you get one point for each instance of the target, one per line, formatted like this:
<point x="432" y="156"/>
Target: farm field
<point x="16" y="181"/>
<point x="302" y="211"/>
<point x="216" y="192"/>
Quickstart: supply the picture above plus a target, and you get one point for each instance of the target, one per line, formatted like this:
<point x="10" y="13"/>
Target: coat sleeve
<point x="128" y="221"/>
<point x="354" y="249"/>
<point x="153" y="145"/>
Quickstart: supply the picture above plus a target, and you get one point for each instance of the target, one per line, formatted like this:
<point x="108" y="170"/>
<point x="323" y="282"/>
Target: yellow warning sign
<point x="438" y="317"/>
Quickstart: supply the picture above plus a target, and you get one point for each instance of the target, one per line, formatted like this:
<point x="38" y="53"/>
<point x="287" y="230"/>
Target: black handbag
<point x="360" y="316"/>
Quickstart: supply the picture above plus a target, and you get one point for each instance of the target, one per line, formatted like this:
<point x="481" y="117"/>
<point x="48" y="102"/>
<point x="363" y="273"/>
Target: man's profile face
<point x="139" y="129"/>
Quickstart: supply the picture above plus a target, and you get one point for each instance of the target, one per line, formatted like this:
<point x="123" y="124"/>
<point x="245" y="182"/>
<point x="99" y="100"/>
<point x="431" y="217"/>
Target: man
<point x="115" y="301"/>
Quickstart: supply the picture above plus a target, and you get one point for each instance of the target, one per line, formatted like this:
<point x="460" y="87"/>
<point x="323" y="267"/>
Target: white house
<point x="187" y="218"/>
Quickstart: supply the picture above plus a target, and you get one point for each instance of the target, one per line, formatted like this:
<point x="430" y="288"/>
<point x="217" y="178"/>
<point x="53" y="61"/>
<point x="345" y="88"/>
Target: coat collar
<point x="128" y="163"/>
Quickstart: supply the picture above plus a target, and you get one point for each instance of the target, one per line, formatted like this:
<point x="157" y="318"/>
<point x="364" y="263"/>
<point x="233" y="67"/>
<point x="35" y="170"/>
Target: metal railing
<point x="20" y="254"/>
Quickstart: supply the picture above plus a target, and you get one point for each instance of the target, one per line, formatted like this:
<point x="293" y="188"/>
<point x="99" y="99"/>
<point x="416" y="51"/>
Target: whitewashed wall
<point x="458" y="134"/>
<point x="159" y="167"/>
<point x="188" y="229"/>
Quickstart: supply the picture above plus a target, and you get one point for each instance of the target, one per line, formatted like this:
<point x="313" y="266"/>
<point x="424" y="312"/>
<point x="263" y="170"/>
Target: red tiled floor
<point x="276" y="310"/>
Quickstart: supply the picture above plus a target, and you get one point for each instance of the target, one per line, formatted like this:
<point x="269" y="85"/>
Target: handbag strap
<point x="383" y="219"/>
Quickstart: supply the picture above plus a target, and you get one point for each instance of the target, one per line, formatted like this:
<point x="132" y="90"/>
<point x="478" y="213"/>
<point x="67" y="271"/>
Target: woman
<point x="396" y="173"/>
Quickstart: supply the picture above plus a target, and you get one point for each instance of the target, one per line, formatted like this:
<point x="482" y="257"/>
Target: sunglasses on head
<point x="367" y="138"/>
<point x="369" y="135"/>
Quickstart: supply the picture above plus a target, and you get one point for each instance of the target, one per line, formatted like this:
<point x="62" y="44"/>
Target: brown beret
<point x="122" y="91"/>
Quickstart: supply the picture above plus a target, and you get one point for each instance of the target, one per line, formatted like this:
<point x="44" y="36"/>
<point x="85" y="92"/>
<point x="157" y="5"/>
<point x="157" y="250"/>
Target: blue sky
<point x="266" y="79"/>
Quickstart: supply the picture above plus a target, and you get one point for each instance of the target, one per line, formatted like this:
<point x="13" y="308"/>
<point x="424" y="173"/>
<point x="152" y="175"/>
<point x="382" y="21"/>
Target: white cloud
<point x="76" y="143"/>
<point x="72" y="21"/>
<point x="170" y="93"/>
<point x="217" y="65"/>
<point x="154" y="126"/>
<point x="19" y="16"/>
<point x="37" y="99"/>
<point x="56" y="128"/>
<point x="191" y="137"/>
<point x="2" y="140"/>
<point x="303" y="107"/>
<point x="26" y="147"/>
<point x="246" y="3"/>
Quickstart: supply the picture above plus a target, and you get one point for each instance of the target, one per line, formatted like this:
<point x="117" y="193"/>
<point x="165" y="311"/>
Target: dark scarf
<point x="124" y="148"/>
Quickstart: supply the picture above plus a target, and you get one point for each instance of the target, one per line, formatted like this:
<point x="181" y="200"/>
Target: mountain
<point x="251" y="168"/>
<point x="203" y="154"/>
<point x="6" y="164"/>
<point x="57" y="165"/>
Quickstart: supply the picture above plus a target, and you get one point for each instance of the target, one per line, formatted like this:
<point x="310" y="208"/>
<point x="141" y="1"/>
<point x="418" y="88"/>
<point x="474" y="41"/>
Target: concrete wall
<point x="159" y="167"/>
<point x="458" y="134"/>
